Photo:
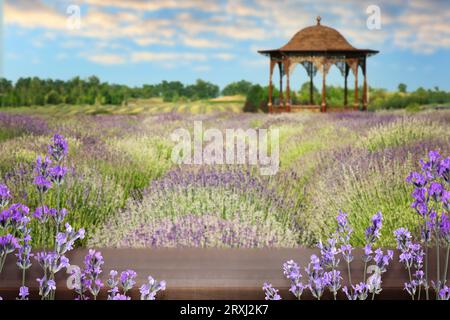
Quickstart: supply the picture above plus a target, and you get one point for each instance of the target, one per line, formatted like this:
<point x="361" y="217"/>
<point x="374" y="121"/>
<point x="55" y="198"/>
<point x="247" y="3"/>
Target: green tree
<point x="255" y="99"/>
<point x="402" y="88"/>
<point x="237" y="88"/>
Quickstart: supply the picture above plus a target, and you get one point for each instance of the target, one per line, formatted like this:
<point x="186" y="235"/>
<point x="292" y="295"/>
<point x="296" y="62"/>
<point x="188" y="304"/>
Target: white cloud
<point x="224" y="56"/>
<point x="170" y="57"/>
<point x="106" y="59"/>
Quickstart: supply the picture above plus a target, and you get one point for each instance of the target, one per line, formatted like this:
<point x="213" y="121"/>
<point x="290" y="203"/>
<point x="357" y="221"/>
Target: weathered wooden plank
<point x="193" y="273"/>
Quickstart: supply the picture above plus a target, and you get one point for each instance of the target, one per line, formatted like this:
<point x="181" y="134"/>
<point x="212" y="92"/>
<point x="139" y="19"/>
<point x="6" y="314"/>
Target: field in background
<point x="125" y="190"/>
<point x="138" y="106"/>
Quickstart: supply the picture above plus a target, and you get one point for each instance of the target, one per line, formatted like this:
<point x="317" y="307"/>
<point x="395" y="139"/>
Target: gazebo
<point x="317" y="48"/>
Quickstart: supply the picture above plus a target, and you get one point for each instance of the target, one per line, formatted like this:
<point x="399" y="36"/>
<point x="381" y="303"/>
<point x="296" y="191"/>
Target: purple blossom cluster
<point x="323" y="270"/>
<point x="411" y="256"/>
<point x="15" y="235"/>
<point x="431" y="196"/>
<point x="88" y="280"/>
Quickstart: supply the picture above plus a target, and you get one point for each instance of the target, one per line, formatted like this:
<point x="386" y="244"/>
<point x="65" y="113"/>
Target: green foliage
<point x="91" y="91"/>
<point x="402" y="88"/>
<point x="256" y="100"/>
<point x="237" y="88"/>
<point x="401" y="132"/>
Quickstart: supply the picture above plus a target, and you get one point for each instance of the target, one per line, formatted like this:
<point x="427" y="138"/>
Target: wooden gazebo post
<point x="355" y="102"/>
<point x="311" y="84"/>
<point x="288" y="90"/>
<point x="364" y="102"/>
<point x="345" y="85"/>
<point x="272" y="64"/>
<point x="280" y="66"/>
<point x="324" y="93"/>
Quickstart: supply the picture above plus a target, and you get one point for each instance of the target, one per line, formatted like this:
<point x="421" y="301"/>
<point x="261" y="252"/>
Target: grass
<point x="135" y="107"/>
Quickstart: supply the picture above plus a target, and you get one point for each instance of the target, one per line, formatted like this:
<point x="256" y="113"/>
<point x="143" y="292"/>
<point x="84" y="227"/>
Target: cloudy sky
<point x="135" y="42"/>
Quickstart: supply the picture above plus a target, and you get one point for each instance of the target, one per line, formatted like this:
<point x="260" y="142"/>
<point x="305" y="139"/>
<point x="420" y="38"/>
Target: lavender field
<point x="123" y="188"/>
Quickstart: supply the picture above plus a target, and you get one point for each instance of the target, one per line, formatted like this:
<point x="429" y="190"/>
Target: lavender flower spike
<point x="270" y="292"/>
<point x="5" y="195"/>
<point x="59" y="147"/>
<point x="373" y="231"/>
<point x="149" y="290"/>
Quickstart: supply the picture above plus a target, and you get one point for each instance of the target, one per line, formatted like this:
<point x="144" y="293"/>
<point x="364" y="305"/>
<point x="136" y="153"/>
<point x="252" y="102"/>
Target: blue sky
<point x="135" y="42"/>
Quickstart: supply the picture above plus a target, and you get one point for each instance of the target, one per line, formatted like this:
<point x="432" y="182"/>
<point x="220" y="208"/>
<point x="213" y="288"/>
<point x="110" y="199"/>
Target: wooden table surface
<point x="193" y="273"/>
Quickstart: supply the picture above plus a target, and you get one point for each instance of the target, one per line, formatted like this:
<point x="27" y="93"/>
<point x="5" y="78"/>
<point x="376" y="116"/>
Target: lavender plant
<point x="15" y="234"/>
<point x="323" y="273"/>
<point x="432" y="203"/>
<point x="209" y="207"/>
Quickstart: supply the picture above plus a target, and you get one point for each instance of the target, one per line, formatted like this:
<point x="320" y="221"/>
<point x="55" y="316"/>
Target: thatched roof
<point x="318" y="38"/>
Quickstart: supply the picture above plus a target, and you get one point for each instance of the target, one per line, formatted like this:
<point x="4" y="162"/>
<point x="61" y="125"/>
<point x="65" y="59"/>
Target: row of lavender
<point x="432" y="204"/>
<point x="15" y="237"/>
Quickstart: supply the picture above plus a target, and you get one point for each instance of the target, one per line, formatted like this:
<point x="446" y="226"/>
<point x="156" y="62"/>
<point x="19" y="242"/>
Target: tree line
<point x="90" y="91"/>
<point x="34" y="91"/>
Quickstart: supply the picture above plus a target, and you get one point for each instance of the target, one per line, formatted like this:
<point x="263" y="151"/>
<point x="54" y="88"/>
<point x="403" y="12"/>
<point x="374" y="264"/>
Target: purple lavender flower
<point x="435" y="191"/>
<point x="361" y="290"/>
<point x="344" y="230"/>
<point x="403" y="237"/>
<point x="24" y="252"/>
<point x="112" y="281"/>
<point x="445" y="228"/>
<point x="58" y="215"/>
<point x="16" y="217"/>
<point x="444" y="293"/>
<point x="328" y="253"/>
<point x="351" y="294"/>
<point x="42" y="166"/>
<point x="93" y="268"/>
<point x="346" y="251"/>
<point x="444" y="169"/>
<point x="292" y="272"/>
<point x="57" y="174"/>
<point x="382" y="261"/>
<point x="8" y="244"/>
<point x="411" y="255"/>
<point x="46" y="287"/>
<point x="127" y="280"/>
<point x="149" y="290"/>
<point x="416" y="179"/>
<point x="42" y="213"/>
<point x="121" y="297"/>
<point x="66" y="240"/>
<point x="42" y="184"/>
<point x="333" y="279"/>
<point x="270" y="292"/>
<point x="367" y="256"/>
<point x="5" y="195"/>
<point x="59" y="147"/>
<point x="373" y="231"/>
<point x="23" y="293"/>
<point x="51" y="261"/>
<point x="446" y="200"/>
<point x="430" y="167"/>
<point x="316" y="279"/>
